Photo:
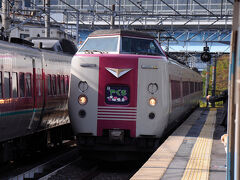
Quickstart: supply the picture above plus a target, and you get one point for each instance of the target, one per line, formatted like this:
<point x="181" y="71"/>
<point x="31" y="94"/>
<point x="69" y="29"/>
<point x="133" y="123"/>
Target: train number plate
<point x="118" y="95"/>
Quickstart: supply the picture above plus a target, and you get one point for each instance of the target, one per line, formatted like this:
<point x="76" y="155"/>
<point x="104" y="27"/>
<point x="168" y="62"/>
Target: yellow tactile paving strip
<point x="199" y="162"/>
<point x="158" y="163"/>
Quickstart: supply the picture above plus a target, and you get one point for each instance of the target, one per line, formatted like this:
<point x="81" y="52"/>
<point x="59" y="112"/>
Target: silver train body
<point x="33" y="92"/>
<point x="129" y="94"/>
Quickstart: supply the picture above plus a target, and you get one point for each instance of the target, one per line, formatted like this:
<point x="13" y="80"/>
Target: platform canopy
<point x="180" y="25"/>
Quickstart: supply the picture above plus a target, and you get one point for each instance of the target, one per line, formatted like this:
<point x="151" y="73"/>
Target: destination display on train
<point x="118" y="95"/>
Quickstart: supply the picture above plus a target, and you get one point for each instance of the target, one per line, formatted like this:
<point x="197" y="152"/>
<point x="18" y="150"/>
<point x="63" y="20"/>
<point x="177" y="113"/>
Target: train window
<point x="185" y="88"/>
<point x="14" y="84"/>
<point x="191" y="87"/>
<point x="196" y="86"/>
<point x="54" y="84"/>
<point x="49" y="85"/>
<point x="108" y="44"/>
<point x="22" y="84"/>
<point x="1" y="85"/>
<point x="7" y="92"/>
<point x="39" y="80"/>
<point x="58" y="85"/>
<point x="62" y="84"/>
<point x="140" y="46"/>
<point x="67" y="84"/>
<point x="175" y="89"/>
<point x="199" y="86"/>
<point x="28" y="85"/>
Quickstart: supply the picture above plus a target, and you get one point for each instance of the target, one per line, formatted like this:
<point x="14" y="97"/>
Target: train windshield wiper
<point x="94" y="51"/>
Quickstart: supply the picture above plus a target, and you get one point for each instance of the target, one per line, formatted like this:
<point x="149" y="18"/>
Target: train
<point x="125" y="93"/>
<point x="34" y="85"/>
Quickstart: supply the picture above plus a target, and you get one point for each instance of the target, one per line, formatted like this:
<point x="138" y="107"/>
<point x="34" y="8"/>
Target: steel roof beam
<point x="189" y="39"/>
<point x="204" y="7"/>
<point x="180" y="35"/>
<point x="69" y="5"/>
<point x="141" y="8"/>
<point x="137" y="19"/>
<point x="104" y="6"/>
<point x="230" y="2"/>
<point x="171" y="8"/>
<point x="226" y="36"/>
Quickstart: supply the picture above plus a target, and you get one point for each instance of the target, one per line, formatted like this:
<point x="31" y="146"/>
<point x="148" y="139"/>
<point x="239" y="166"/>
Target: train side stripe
<point x="117" y="119"/>
<point x="19" y="112"/>
<point x="116" y="114"/>
<point x="119" y="108"/>
<point x="118" y="111"/>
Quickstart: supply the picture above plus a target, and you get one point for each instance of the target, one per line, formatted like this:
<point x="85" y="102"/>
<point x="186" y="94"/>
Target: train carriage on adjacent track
<point x="34" y="86"/>
<point x="125" y="94"/>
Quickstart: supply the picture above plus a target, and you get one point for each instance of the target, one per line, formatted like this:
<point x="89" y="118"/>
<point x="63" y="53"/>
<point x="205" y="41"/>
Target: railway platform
<point x="193" y="151"/>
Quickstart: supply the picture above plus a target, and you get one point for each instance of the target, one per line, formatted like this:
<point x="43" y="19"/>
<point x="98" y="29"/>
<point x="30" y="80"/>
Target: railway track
<point x="49" y="168"/>
<point x="70" y="165"/>
<point x="97" y="170"/>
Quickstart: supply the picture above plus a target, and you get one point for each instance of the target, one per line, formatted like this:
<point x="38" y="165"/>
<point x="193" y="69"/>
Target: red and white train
<point x="34" y="87"/>
<point x="125" y="91"/>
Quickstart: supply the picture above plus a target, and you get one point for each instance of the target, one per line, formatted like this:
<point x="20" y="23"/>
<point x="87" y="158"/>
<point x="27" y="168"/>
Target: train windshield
<point x="101" y="44"/>
<point x="49" y="44"/>
<point x="140" y="46"/>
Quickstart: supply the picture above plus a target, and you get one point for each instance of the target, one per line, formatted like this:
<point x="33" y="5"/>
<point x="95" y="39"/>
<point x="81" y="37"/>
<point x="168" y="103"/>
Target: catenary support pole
<point x="47" y="18"/>
<point x="113" y="17"/>
<point x="77" y="28"/>
<point x="5" y="17"/>
<point x="214" y="69"/>
<point x="207" y="79"/>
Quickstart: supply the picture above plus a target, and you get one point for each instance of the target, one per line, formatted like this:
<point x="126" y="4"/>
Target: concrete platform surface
<point x="193" y="151"/>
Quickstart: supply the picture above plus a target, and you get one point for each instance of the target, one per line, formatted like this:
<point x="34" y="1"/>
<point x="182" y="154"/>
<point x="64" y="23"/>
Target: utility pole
<point x="5" y="16"/>
<point x="207" y="79"/>
<point x="47" y="18"/>
<point x="77" y="28"/>
<point x="113" y="17"/>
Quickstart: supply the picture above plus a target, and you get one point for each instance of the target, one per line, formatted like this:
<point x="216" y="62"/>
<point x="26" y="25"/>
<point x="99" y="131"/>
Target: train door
<point x="38" y="86"/>
<point x="38" y="94"/>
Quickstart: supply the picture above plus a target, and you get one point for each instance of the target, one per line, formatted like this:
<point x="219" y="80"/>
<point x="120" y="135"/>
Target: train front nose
<point x="117" y="99"/>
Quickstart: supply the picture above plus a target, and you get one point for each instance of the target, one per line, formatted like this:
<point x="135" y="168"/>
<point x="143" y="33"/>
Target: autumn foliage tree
<point x="221" y="74"/>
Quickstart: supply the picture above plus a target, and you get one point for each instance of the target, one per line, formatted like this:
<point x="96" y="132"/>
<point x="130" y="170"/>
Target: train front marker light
<point x="83" y="86"/>
<point x="82" y="113"/>
<point x="152" y="101"/>
<point x="152" y="88"/>
<point x="151" y="115"/>
<point x="82" y="99"/>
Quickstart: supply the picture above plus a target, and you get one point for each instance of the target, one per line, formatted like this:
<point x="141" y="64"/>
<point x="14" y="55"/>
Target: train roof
<point x="55" y="44"/>
<point x="121" y="32"/>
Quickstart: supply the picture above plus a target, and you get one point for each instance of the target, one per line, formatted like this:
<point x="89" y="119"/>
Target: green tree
<point x="221" y="75"/>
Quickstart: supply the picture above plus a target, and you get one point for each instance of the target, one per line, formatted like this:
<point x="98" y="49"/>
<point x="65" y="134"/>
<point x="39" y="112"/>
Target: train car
<point x="125" y="93"/>
<point x="34" y="84"/>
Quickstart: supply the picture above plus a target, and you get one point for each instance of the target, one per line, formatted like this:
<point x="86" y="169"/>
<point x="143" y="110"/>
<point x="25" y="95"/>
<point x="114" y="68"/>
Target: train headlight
<point x="152" y="101"/>
<point x="82" y="99"/>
